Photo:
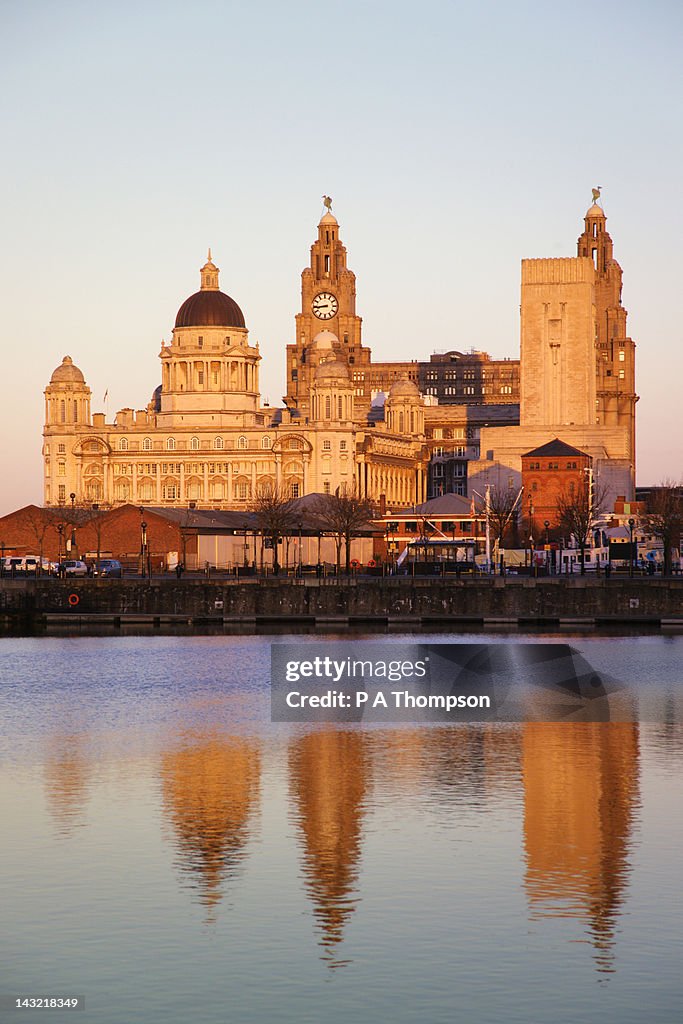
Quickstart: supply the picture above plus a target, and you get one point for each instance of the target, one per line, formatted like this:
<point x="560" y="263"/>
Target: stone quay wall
<point x="496" y="598"/>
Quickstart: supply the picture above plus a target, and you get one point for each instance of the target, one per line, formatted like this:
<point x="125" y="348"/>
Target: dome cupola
<point x="209" y="307"/>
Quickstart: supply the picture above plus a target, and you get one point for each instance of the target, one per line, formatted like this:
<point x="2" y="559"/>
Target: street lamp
<point x="60" y="531"/>
<point x="143" y="547"/>
<point x="73" y="525"/>
<point x="246" y="547"/>
<point x="631" y="524"/>
<point x="547" y="545"/>
<point x="531" y="535"/>
<point x="301" y="570"/>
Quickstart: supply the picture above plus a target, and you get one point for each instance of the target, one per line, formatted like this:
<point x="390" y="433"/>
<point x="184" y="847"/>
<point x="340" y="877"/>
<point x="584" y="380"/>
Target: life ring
<point x="73" y="600"/>
<point x="355" y="564"/>
<point x="371" y="563"/>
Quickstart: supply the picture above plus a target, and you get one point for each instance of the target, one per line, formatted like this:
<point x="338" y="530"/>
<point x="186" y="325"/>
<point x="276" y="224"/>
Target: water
<point x="172" y="856"/>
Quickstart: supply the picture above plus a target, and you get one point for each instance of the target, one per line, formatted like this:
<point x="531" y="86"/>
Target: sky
<point x="455" y="138"/>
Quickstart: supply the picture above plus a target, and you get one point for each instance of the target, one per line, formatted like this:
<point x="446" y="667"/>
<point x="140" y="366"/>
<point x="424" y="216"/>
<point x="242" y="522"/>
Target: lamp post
<point x="531" y="535"/>
<point x="546" y="523"/>
<point x="2" y="557"/>
<point x="60" y="531"/>
<point x="631" y="524"/>
<point x="301" y="568"/>
<point x="246" y="547"/>
<point x="72" y="542"/>
<point x="143" y="547"/>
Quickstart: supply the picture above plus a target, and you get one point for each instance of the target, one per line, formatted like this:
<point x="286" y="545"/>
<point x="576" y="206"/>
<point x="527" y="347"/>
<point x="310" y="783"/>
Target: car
<point x="73" y="568"/>
<point x="109" y="567"/>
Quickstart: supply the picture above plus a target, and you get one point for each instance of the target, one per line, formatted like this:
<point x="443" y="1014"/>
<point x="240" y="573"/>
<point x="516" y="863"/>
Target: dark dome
<point x="209" y="308"/>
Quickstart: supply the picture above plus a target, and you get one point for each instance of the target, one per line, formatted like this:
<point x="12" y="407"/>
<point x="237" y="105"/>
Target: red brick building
<point x="81" y="531"/>
<point x="547" y="472"/>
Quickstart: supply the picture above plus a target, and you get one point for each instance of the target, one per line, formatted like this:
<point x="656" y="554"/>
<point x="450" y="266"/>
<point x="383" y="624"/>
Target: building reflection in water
<point x="329" y="783"/>
<point x="210" y="791"/>
<point x="68" y="776"/>
<point x="581" y="790"/>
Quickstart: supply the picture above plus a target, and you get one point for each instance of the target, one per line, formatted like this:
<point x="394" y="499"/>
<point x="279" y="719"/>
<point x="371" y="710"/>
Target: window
<point x="342" y="446"/>
<point x="147" y="445"/>
<point x="622" y="356"/>
<point x="62" y="492"/>
<point x="170" y="444"/>
<point x="61" y="450"/>
<point x="326" y="487"/>
<point x="622" y="374"/>
<point x="218" y="443"/>
<point x="169" y="491"/>
<point x="328" y="408"/>
<point x="61" y="469"/>
<point x="327" y="446"/>
<point x="266" y="442"/>
<point x="194" y="444"/>
<point x="438" y="452"/>
<point x="242" y="442"/>
<point x="506" y="389"/>
<point x="200" y="378"/>
<point x="294" y="491"/>
<point x="200" y="341"/>
<point x="214" y="377"/>
<point x="438" y="469"/>
<point x="123" y="444"/>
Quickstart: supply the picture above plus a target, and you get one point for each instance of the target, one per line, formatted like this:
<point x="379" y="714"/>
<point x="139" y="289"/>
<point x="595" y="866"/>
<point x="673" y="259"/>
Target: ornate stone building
<point x="398" y="431"/>
<point x="206" y="438"/>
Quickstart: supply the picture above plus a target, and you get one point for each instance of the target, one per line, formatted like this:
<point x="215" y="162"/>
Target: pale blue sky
<point x="455" y="138"/>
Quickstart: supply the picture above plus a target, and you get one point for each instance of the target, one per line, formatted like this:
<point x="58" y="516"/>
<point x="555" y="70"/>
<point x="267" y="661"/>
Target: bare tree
<point x="274" y="512"/>
<point x="343" y="514"/>
<point x="578" y="513"/>
<point x="664" y="518"/>
<point x="39" y="521"/>
<point x="501" y="509"/>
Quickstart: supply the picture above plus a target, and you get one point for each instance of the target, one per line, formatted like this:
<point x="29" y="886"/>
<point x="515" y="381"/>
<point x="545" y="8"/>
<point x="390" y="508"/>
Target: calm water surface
<point x="172" y="856"/>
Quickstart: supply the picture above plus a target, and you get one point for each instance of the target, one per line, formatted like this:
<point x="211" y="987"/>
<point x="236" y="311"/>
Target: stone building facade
<point x="400" y="432"/>
<point x="206" y="438"/>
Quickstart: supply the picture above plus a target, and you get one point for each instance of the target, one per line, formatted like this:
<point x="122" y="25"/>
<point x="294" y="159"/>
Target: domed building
<point x="205" y="437"/>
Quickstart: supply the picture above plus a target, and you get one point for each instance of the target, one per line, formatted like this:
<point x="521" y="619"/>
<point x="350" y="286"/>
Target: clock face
<point x="325" y="306"/>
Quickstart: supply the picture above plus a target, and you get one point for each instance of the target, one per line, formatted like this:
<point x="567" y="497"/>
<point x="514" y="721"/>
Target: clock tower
<point x="327" y="326"/>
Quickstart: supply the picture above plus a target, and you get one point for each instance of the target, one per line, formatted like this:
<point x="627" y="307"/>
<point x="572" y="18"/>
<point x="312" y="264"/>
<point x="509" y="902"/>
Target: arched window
<point x="242" y="441"/>
<point x="218" y="443"/>
<point x="170" y="444"/>
<point x="328" y="408"/>
<point x="123" y="444"/>
<point x="194" y="444"/>
<point x="266" y="442"/>
<point x="147" y="444"/>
